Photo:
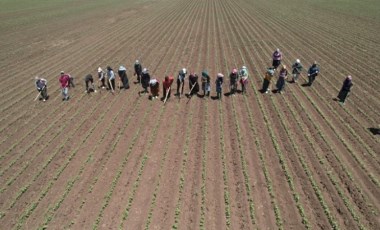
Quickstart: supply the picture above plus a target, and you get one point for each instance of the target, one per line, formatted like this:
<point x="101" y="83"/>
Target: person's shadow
<point x="374" y="131"/>
<point x="305" y="85"/>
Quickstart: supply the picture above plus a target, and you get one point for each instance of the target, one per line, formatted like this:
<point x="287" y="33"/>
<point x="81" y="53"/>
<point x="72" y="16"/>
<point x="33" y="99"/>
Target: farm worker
<point x="166" y="86"/>
<point x="296" y="70"/>
<point x="41" y="85"/>
<point x="206" y="83"/>
<point x="218" y="83"/>
<point x="233" y="81"/>
<point x="312" y="73"/>
<point x="244" y="78"/>
<point x="64" y="79"/>
<point x="193" y="84"/>
<point x="111" y="79"/>
<point x="267" y="80"/>
<point x="138" y="71"/>
<point x="145" y="78"/>
<point x="154" y="88"/>
<point x="89" y="79"/>
<point x="281" y="79"/>
<point x="181" y="81"/>
<point x="277" y="57"/>
<point x="346" y="88"/>
<point x="101" y="78"/>
<point x="122" y="72"/>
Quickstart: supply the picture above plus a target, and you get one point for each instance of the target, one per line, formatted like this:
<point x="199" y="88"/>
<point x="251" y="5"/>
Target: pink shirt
<point x="64" y="80"/>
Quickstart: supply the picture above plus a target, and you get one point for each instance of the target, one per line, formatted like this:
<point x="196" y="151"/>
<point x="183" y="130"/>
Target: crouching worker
<point x="166" y="86"/>
<point x="206" y="83"/>
<point x="41" y="85"/>
<point x="193" y="84"/>
<point x="346" y="88"/>
<point x="123" y="77"/>
<point x="154" y="88"/>
<point x="268" y="80"/>
<point x="219" y="83"/>
<point x="89" y="79"/>
<point x="244" y="79"/>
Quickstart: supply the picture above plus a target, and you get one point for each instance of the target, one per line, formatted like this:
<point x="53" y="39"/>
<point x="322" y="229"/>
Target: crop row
<point x="49" y="185"/>
<point x="50" y="213"/>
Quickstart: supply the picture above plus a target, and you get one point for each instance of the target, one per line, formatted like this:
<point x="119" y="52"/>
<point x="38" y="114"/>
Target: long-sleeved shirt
<point x="277" y="55"/>
<point x="167" y="82"/>
<point x="110" y="74"/>
<point x="347" y="84"/>
<point x="297" y="68"/>
<point x="313" y="70"/>
<point x="283" y="73"/>
<point x="64" y="80"/>
<point x="41" y="83"/>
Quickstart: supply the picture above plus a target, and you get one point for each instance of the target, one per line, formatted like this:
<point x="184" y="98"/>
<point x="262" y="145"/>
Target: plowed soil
<point x="119" y="160"/>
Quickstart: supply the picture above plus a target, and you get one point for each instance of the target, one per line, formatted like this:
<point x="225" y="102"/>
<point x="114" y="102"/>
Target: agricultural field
<point x="297" y="160"/>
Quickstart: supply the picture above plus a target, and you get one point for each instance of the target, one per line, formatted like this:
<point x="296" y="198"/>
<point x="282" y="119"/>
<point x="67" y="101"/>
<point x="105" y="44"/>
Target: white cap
<point x="137" y="61"/>
<point x="220" y="75"/>
<point x="99" y="70"/>
<point x="184" y="70"/>
<point x="145" y="70"/>
<point x="298" y="60"/>
<point x="244" y="67"/>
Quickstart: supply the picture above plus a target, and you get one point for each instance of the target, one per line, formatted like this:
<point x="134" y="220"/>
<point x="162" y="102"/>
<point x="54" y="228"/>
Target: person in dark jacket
<point x="206" y="83"/>
<point x="89" y="79"/>
<point x="281" y="79"/>
<point x="234" y="77"/>
<point x="41" y="85"/>
<point x="138" y="71"/>
<point x="145" y="78"/>
<point x="296" y="70"/>
<point x="277" y="57"/>
<point x="193" y="84"/>
<point x="181" y="81"/>
<point x="218" y="85"/>
<point x="346" y="88"/>
<point x="122" y="72"/>
<point x="312" y="73"/>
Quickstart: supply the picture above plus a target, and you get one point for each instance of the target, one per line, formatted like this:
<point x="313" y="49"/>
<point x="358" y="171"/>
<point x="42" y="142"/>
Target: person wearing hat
<point x="138" y="71"/>
<point x="101" y="78"/>
<point x="267" y="80"/>
<point x="243" y="79"/>
<point x="218" y="85"/>
<point x="64" y="80"/>
<point x="145" y="78"/>
<point x="111" y="79"/>
<point x="312" y="73"/>
<point x="234" y="76"/>
<point x="296" y="70"/>
<point x="281" y="79"/>
<point x="181" y="81"/>
<point x="154" y="88"/>
<point x="41" y="85"/>
<point x="193" y="84"/>
<point x="277" y="57"/>
<point x="122" y="72"/>
<point x="166" y="86"/>
<point x="89" y="79"/>
<point x="206" y="83"/>
<point x="346" y="88"/>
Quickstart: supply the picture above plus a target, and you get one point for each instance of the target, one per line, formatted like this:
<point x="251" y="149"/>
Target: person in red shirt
<point x="166" y="86"/>
<point x="64" y="79"/>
